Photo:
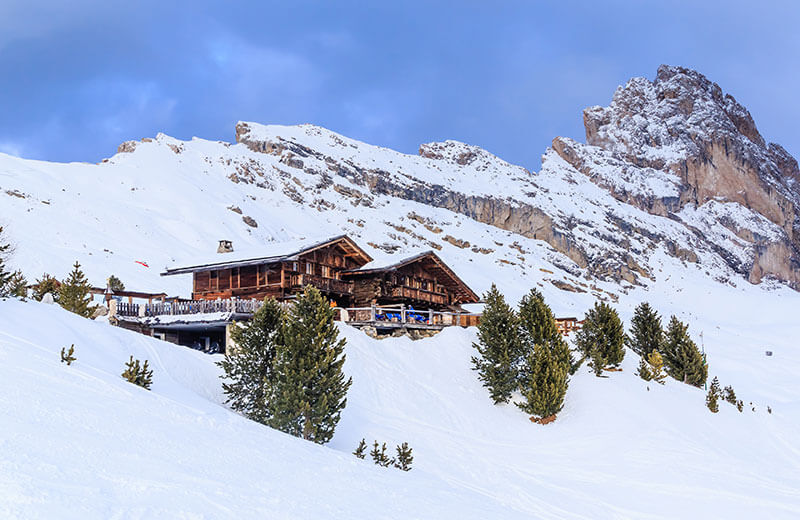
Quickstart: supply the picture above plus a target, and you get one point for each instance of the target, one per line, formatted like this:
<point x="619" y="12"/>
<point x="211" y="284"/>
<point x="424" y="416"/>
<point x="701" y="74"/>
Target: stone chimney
<point x="225" y="246"/>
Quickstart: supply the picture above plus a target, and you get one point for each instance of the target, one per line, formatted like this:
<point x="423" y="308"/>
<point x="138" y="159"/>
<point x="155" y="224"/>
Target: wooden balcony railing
<point x="323" y="284"/>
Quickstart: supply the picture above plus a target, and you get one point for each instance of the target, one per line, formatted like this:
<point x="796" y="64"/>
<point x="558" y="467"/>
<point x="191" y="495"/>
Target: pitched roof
<point x="435" y="264"/>
<point x="277" y="252"/>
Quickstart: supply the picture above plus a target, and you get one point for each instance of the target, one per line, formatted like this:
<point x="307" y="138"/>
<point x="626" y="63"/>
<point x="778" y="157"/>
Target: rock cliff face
<point x="681" y="128"/>
<point x="676" y="148"/>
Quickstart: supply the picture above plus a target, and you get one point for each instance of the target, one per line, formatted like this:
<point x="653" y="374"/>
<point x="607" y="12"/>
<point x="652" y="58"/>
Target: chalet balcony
<point x="328" y="285"/>
<point x="422" y="295"/>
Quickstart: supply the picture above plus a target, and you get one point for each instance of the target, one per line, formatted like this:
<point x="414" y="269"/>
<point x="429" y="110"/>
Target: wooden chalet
<point x="281" y="275"/>
<point x="422" y="281"/>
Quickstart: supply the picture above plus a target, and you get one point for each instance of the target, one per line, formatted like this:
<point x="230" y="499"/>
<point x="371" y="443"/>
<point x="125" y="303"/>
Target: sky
<point x="78" y="78"/>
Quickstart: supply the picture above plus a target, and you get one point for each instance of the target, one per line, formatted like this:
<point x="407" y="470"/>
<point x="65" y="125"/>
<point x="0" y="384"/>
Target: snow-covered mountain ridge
<point x="646" y="196"/>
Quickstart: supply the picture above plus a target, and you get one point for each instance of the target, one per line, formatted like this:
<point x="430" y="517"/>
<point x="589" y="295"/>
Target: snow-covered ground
<point x="80" y="442"/>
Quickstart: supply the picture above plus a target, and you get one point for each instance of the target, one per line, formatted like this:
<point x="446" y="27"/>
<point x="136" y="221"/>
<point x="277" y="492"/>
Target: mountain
<point x="674" y="199"/>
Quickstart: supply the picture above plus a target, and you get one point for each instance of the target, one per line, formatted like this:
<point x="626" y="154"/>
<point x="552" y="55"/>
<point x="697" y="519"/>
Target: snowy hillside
<point x="80" y="442"/>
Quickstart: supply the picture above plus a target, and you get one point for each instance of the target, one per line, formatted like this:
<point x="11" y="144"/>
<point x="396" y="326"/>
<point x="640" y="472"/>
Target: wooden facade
<point x="320" y="265"/>
<point x="422" y="281"/>
<point x="337" y="268"/>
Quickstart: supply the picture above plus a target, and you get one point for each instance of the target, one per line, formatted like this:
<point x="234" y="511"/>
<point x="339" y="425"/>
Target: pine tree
<point x="712" y="398"/>
<point x="248" y="366"/>
<point x="137" y="374"/>
<point x="46" y="285"/>
<point x="67" y="356"/>
<point x="729" y="395"/>
<point x="644" y="369"/>
<point x="499" y="347"/>
<point x="17" y="285"/>
<point x="310" y="389"/>
<point x="361" y="450"/>
<point x="547" y="360"/>
<point x="5" y="275"/>
<point x="682" y="358"/>
<point x="656" y="366"/>
<point x="379" y="456"/>
<point x="537" y="325"/>
<point x="73" y="295"/>
<point x="544" y="382"/>
<point x="602" y="337"/>
<point x="404" y="458"/>
<point x="115" y="284"/>
<point x="646" y="334"/>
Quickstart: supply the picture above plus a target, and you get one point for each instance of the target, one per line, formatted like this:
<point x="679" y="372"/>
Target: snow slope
<point x="80" y="442"/>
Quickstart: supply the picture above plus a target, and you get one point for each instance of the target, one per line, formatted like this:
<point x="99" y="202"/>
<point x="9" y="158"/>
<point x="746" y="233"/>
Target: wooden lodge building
<point x="340" y="269"/>
<point x="418" y="292"/>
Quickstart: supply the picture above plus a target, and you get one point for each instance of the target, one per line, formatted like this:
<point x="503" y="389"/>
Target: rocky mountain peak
<point x="684" y="125"/>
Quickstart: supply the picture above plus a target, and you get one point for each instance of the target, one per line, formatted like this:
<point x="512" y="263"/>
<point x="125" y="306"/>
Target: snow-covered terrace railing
<point x="177" y="308"/>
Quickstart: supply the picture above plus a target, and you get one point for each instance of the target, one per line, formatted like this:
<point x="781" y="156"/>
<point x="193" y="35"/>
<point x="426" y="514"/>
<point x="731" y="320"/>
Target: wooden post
<point x="372" y="313"/>
<point x="430" y="316"/>
<point x="402" y="313"/>
<point x="458" y="319"/>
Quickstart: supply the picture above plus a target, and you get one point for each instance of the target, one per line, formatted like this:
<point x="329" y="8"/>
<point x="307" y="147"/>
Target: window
<point x="309" y="268"/>
<point x="214" y="280"/>
<point x="326" y="272"/>
<point x="295" y="267"/>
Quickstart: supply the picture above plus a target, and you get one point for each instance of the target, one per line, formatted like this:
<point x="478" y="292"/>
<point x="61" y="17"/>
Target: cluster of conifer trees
<point x="286" y="368"/>
<point x="522" y="350"/>
<point x="671" y="350"/>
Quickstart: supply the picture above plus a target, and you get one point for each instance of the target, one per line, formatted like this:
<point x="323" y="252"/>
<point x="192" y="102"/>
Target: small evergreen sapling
<point x="361" y="450"/>
<point x="644" y="370"/>
<point x="17" y="285"/>
<point x="378" y="454"/>
<point x="740" y="405"/>
<point x="404" y="458"/>
<point x="499" y="347"/>
<point x="73" y="295"/>
<point x="67" y="355"/>
<point x="5" y="275"/>
<point x="729" y="395"/>
<point x="712" y="398"/>
<point x="138" y="374"/>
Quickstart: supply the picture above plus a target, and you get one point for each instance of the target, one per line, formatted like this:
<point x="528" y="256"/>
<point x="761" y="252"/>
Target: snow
<point x="84" y="443"/>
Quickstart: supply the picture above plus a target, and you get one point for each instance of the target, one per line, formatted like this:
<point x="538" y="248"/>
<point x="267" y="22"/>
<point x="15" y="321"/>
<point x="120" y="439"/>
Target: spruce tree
<point x="44" y="285"/>
<point x="656" y="365"/>
<point x="5" y="275"/>
<point x="499" y="347"/>
<point x="361" y="450"/>
<point x="310" y="389"/>
<point x="115" y="284"/>
<point x="729" y="395"/>
<point x="67" y="356"/>
<point x="682" y="358"/>
<point x="544" y="382"/>
<point x="644" y="370"/>
<point x="138" y="374"/>
<point x="73" y="295"/>
<point x="248" y="366"/>
<point x="404" y="458"/>
<point x="712" y="398"/>
<point x="378" y="454"/>
<point x="646" y="334"/>
<point x="537" y="325"/>
<point x="17" y="285"/>
<point x="547" y="360"/>
<point x="602" y="337"/>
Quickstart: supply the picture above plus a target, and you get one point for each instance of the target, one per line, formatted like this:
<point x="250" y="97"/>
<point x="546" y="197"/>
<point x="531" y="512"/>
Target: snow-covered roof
<point x="275" y="252"/>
